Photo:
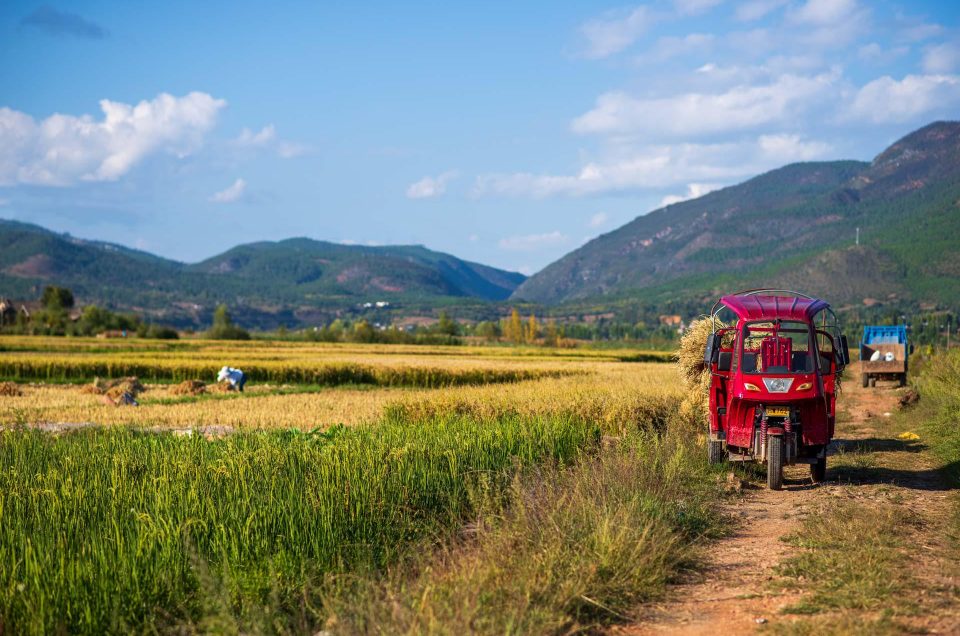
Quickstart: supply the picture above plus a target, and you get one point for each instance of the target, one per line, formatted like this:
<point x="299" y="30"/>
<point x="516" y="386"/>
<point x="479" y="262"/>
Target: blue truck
<point x="884" y="354"/>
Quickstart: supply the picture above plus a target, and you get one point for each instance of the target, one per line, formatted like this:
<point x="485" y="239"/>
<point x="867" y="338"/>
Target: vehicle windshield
<point x="777" y="346"/>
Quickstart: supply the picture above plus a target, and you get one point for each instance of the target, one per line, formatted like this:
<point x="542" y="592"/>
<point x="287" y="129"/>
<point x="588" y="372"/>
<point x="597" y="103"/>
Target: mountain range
<point x="886" y="231"/>
<point x="844" y="230"/>
<point x="291" y="281"/>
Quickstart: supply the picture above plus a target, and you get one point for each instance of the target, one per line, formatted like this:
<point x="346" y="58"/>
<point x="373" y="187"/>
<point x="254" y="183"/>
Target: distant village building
<point x="113" y="333"/>
<point x="8" y="313"/>
<point x="671" y="320"/>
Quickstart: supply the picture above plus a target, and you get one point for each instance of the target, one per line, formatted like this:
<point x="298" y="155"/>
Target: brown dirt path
<point x="733" y="594"/>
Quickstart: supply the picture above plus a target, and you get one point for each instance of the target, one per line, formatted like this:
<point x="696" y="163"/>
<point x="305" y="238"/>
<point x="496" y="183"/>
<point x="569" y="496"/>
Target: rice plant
<point x="111" y="530"/>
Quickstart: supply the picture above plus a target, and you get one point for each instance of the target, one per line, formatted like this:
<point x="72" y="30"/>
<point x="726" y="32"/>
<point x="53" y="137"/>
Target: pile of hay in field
<point x="129" y="386"/>
<point x="189" y="387"/>
<point x="221" y="387"/>
<point x="98" y="387"/>
<point x="693" y="372"/>
<point x="115" y="388"/>
<point x="10" y="389"/>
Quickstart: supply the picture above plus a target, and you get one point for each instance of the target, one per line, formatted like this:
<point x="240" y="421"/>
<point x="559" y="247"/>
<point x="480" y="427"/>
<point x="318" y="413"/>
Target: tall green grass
<point x="939" y="408"/>
<point x="113" y="530"/>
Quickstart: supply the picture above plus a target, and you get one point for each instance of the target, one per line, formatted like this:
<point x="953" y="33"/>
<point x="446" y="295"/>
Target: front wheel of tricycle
<point x="818" y="470"/>
<point x="775" y="462"/>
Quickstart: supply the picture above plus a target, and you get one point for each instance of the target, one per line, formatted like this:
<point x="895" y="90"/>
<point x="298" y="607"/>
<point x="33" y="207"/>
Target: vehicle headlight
<point x="778" y="385"/>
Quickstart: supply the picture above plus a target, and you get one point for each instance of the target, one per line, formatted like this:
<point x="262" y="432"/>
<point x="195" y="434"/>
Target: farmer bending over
<point x="236" y="377"/>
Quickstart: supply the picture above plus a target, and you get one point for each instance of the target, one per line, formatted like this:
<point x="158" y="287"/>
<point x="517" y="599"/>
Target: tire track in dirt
<point x="733" y="593"/>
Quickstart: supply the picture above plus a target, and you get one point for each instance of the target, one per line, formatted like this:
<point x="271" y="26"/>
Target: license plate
<point x="778" y="411"/>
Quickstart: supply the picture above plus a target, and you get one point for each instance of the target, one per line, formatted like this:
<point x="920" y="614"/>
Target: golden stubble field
<point x="414" y="382"/>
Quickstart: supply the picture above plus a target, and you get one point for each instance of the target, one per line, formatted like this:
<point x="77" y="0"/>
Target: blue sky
<point x="506" y="133"/>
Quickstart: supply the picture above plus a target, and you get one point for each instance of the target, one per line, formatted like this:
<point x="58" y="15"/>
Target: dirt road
<point x="870" y="465"/>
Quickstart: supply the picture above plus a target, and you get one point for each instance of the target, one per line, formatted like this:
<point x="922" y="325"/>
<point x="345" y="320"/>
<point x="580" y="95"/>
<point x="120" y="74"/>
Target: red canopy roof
<point x="759" y="307"/>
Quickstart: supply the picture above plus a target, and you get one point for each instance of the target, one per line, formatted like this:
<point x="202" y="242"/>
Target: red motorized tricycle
<point x="774" y="375"/>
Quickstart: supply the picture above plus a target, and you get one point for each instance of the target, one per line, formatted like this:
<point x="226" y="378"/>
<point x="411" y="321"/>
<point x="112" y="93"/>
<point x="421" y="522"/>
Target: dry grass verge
<point x="852" y="559"/>
<point x="569" y="550"/>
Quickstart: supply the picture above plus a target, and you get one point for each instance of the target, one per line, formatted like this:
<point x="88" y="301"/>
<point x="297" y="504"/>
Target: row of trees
<point x="518" y="330"/>
<point x="514" y="329"/>
<point x="223" y="327"/>
<point x="56" y="317"/>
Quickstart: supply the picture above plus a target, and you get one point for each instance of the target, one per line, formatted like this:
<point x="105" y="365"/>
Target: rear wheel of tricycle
<point x="873" y="382"/>
<point x="775" y="462"/>
<point x="866" y="380"/>
<point x="715" y="452"/>
<point x="903" y="379"/>
<point x="818" y="470"/>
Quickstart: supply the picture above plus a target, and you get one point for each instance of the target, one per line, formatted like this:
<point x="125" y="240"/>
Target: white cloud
<point x="533" y="242"/>
<point x="652" y="167"/>
<point x="291" y="149"/>
<point x="824" y="12"/>
<point x="670" y="46"/>
<point x="430" y="187"/>
<point x="695" y="7"/>
<point x="598" y="220"/>
<point x="615" y="31"/>
<point x="694" y="191"/>
<point x="756" y="9"/>
<point x="251" y="139"/>
<point x="823" y="24"/>
<point x="913" y="30"/>
<point x="681" y="116"/>
<point x="659" y="167"/>
<point x="873" y="53"/>
<point x="886" y="100"/>
<point x="789" y="148"/>
<point x="942" y="58"/>
<point x="64" y="149"/>
<point x="231" y="194"/>
<point x="267" y="138"/>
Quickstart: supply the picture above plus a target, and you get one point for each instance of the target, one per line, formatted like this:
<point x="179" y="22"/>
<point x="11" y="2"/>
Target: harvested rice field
<point x="337" y="473"/>
<point x="614" y="395"/>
